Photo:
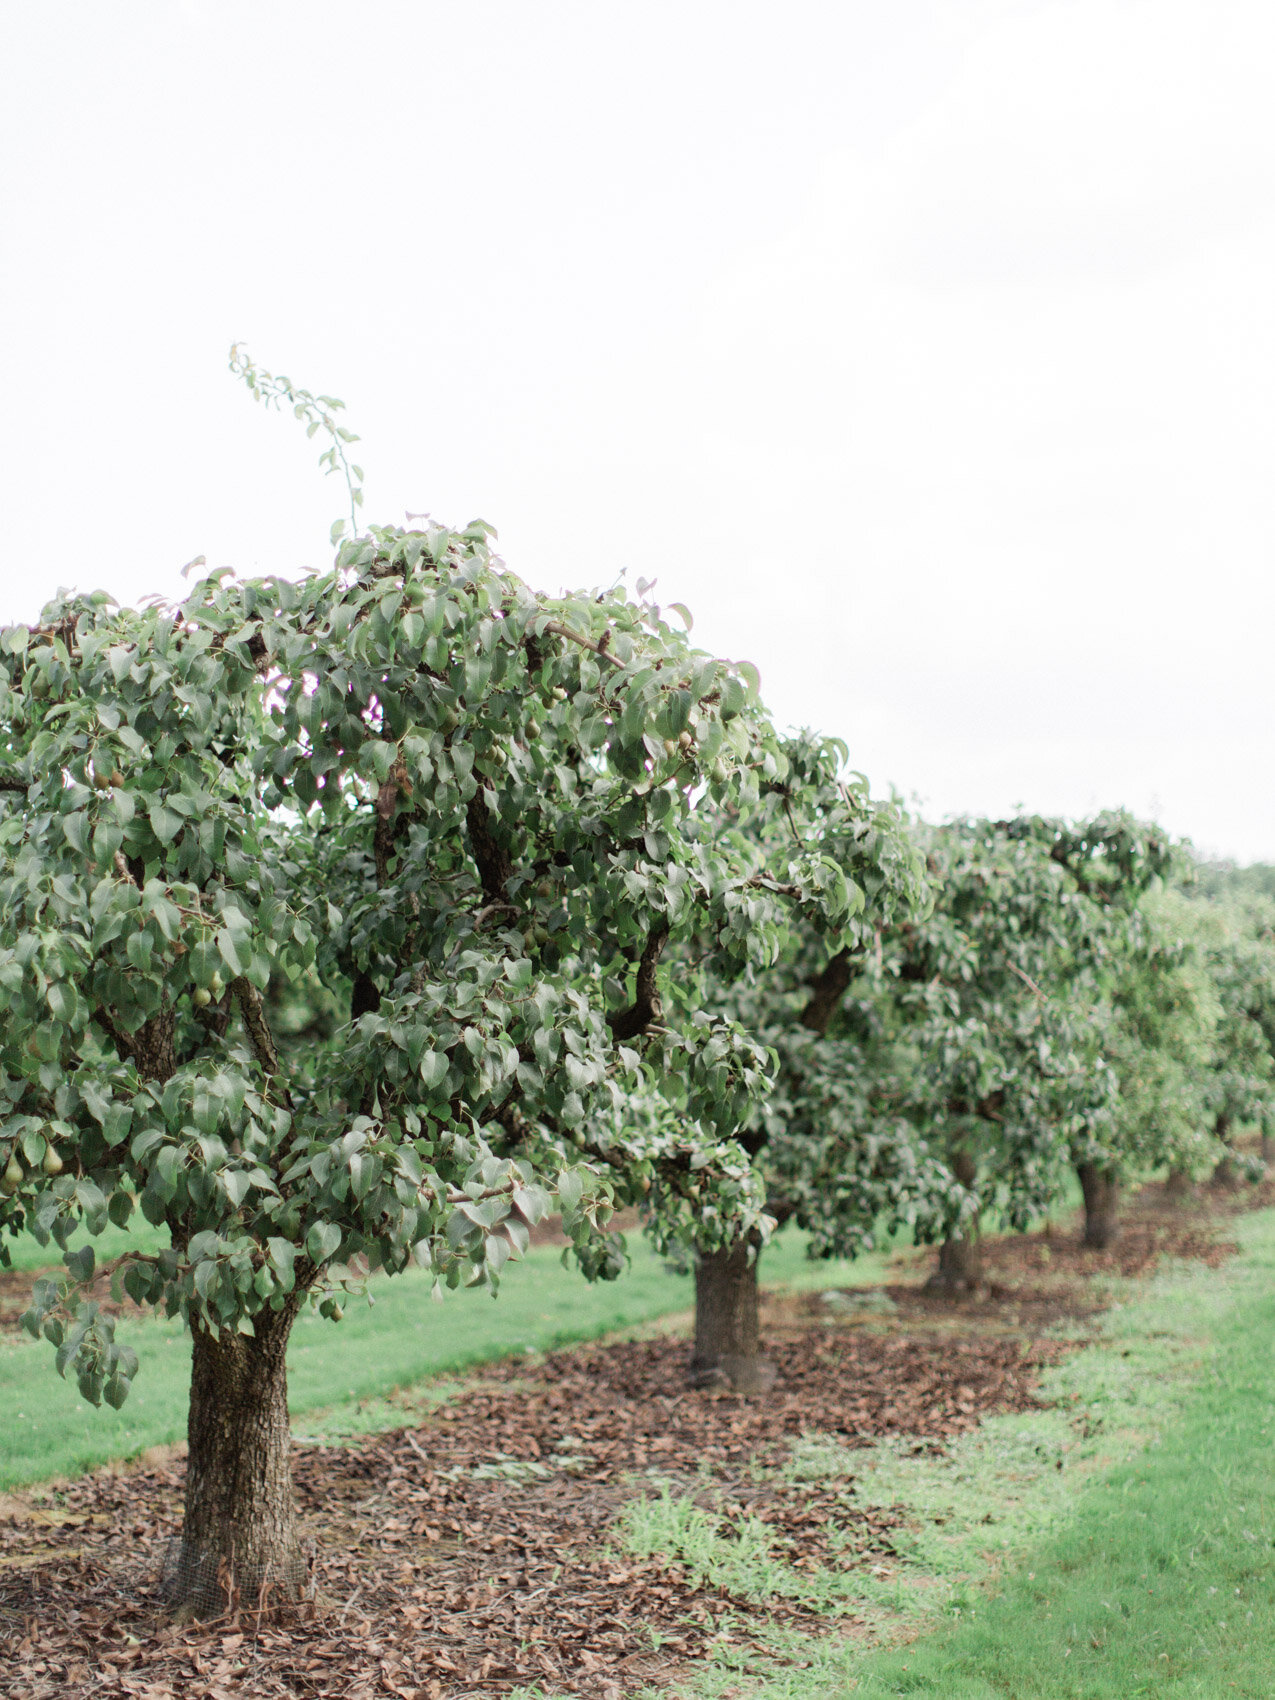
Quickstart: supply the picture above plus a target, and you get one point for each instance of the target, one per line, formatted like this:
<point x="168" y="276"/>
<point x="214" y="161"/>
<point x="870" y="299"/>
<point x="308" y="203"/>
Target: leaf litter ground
<point x="479" y="1552"/>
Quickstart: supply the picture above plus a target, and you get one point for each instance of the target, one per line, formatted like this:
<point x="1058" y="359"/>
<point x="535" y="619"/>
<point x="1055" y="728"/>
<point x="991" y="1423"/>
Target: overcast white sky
<point x="924" y="347"/>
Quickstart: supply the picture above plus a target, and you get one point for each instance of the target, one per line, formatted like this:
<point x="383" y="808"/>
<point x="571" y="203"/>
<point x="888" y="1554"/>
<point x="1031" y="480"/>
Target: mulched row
<point x="471" y="1554"/>
<point x="477" y="1553"/>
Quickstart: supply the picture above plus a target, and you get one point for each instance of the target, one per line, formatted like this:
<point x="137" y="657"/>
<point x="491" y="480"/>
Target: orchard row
<point x="359" y="922"/>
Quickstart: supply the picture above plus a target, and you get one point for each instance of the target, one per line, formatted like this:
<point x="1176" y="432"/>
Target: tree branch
<point x="151" y="1047"/>
<point x="598" y="649"/>
<point x="494" y="865"/>
<point x="248" y="998"/>
<point x="489" y="909"/>
<point x="646" y="1006"/>
<point x="826" y="991"/>
<point x="1026" y="979"/>
<point x="123" y="870"/>
<point x="763" y="882"/>
<point x="122" y="1041"/>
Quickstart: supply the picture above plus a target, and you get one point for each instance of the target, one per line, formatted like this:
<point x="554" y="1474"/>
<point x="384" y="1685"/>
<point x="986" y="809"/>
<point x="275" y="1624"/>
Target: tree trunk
<point x="1177" y="1183"/>
<point x="239" y="1545"/>
<point x="1268" y="1148"/>
<point x="1225" y="1176"/>
<point x="960" y="1263"/>
<point x="1101" y="1189"/>
<point x="727" y="1344"/>
<point x="960" y="1268"/>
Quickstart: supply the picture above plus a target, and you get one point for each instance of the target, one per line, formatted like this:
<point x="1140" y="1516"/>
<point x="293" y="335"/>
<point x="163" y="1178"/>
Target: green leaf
<point x="379" y="757"/>
<point x="235" y="1184"/>
<point x="165" y="823"/>
<point x="116" y="1391"/>
<point x="433" y="1068"/>
<point x="76" y="829"/>
<point x="323" y="1242"/>
<point x="229" y="951"/>
<point x="137" y="947"/>
<point x="569" y="1189"/>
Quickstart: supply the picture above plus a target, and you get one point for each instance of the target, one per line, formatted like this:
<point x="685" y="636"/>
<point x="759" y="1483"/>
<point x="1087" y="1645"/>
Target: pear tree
<point x="483" y="826"/>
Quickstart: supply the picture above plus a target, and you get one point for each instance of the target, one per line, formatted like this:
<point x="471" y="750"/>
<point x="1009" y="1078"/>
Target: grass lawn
<point x="341" y="1374"/>
<point x="1118" y="1544"/>
<point x="1163" y="1582"/>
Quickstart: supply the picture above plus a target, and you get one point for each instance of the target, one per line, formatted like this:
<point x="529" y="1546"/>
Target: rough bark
<point x="239" y="1545"/>
<point x="960" y="1267"/>
<point x="727" y="1336"/>
<point x="646" y="1006"/>
<point x="1101" y="1189"/>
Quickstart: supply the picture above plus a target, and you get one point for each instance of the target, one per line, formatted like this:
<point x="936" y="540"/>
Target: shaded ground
<point x="1035" y="1280"/>
<point x="477" y="1553"/>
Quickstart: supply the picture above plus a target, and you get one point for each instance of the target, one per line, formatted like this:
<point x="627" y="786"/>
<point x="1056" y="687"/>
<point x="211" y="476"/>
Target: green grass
<point x="343" y="1377"/>
<point x="27" y="1253"/>
<point x="1119" y="1543"/>
<point x="1163" y="1582"/>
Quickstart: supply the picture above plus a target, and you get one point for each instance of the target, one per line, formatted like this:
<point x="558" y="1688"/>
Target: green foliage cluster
<point x="474" y="819"/>
<point x="1056" y="1005"/>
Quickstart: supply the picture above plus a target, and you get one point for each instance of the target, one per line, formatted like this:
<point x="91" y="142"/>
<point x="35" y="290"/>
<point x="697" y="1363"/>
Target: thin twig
<point x="603" y="654"/>
<point x="1026" y="979"/>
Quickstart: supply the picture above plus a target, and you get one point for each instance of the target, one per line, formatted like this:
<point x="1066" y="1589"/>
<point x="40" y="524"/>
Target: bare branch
<point x="1026" y="979"/>
<point x="490" y="909"/>
<point x="123" y="870"/>
<point x="599" y="649"/>
<point x="763" y="882"/>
